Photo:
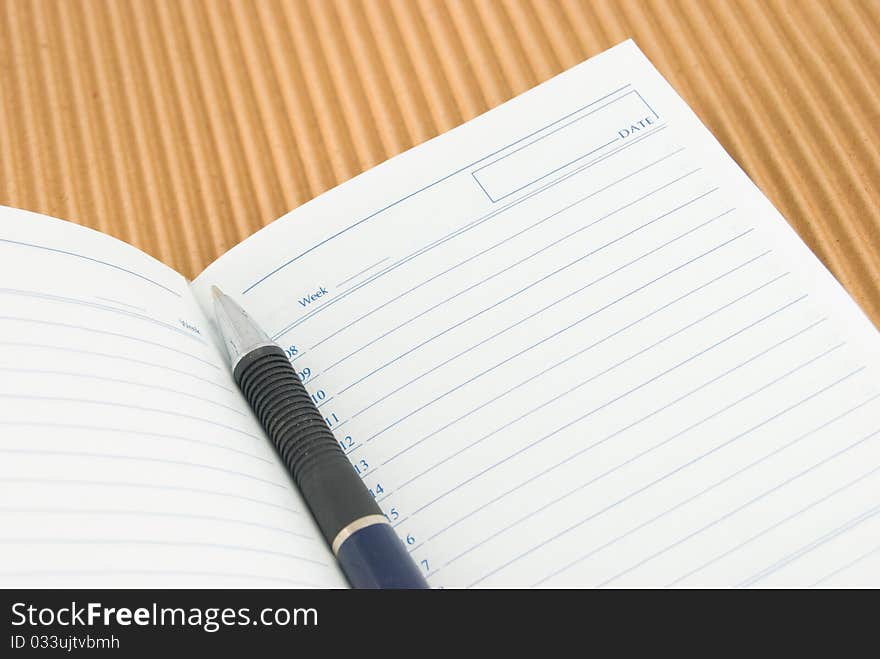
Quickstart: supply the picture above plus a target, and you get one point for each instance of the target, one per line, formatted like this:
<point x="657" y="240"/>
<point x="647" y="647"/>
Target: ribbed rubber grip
<point x="334" y="492"/>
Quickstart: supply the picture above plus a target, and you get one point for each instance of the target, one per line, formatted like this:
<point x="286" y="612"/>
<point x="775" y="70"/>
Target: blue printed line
<point x="150" y="542"/>
<point x="611" y="368"/>
<point x="664" y="477"/>
<point x="359" y="273"/>
<point x="128" y="512"/>
<point x="552" y="132"/>
<point x="148" y="486"/>
<point x="657" y="116"/>
<point x="655" y="412"/>
<point x="853" y="562"/>
<point x="534" y="254"/>
<point x="506" y="240"/>
<point x="62" y="399"/>
<point x="420" y="190"/>
<point x="457" y="232"/>
<point x="53" y="323"/>
<point x="124" y="304"/>
<point x="540" y="178"/>
<point x="20" y="344"/>
<point x="138" y="433"/>
<point x="741" y="507"/>
<point x="141" y="458"/>
<point x="101" y="307"/>
<point x="605" y="405"/>
<point x="93" y="260"/>
<point x="578" y="353"/>
<point x="89" y="376"/>
<point x="542" y="279"/>
<point x="776" y="525"/>
<point x="558" y="332"/>
<point x="828" y="537"/>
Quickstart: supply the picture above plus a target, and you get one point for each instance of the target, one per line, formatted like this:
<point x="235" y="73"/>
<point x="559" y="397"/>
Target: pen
<point x="360" y="536"/>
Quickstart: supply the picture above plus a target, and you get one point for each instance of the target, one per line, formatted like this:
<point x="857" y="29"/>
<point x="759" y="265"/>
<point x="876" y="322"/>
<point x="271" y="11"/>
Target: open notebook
<point x="566" y="344"/>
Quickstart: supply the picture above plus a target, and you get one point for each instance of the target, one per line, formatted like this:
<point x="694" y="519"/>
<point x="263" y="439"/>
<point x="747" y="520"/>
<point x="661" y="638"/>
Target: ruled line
<point x="606" y="404"/>
<point x="531" y="284"/>
<point x="613" y="367"/>
<point x="738" y="509"/>
<point x="41" y="346"/>
<point x="851" y="563"/>
<point x="784" y="520"/>
<point x="136" y="433"/>
<point x="89" y="376"/>
<point x="542" y="341"/>
<point x="651" y="414"/>
<point x="458" y="232"/>
<point x="665" y="476"/>
<point x="55" y="574"/>
<point x="93" y="330"/>
<point x="101" y="307"/>
<point x="158" y="543"/>
<point x="124" y="304"/>
<point x="142" y="458"/>
<point x="156" y="410"/>
<point x="412" y="194"/>
<point x="684" y="502"/>
<point x="93" y="260"/>
<point x="506" y="240"/>
<point x="828" y="537"/>
<point x="129" y="512"/>
<point x="578" y="353"/>
<point x="149" y="486"/>
<point x="359" y="273"/>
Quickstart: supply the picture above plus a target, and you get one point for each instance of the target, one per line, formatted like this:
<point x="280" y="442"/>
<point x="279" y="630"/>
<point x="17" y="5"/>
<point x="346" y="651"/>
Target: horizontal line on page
<point x="644" y="418"/>
<point x="93" y="260"/>
<point x="430" y="185"/>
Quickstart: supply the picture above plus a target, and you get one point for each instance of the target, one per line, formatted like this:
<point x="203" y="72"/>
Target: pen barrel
<point x="333" y="491"/>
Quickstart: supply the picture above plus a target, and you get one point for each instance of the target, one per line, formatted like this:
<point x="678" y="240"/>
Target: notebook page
<point x="127" y="455"/>
<point x="571" y="344"/>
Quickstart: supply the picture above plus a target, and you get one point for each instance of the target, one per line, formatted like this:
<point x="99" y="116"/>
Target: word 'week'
<point x="306" y="300"/>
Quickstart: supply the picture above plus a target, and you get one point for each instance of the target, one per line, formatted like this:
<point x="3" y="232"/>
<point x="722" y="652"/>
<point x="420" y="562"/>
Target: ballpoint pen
<point x="360" y="536"/>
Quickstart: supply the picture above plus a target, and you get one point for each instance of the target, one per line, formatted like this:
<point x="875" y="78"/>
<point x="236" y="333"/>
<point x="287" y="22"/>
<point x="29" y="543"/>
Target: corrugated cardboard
<point x="184" y="126"/>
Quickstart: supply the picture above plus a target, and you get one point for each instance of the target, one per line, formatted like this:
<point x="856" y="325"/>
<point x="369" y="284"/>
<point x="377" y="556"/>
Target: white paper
<point x="127" y="455"/>
<point x="570" y="344"/>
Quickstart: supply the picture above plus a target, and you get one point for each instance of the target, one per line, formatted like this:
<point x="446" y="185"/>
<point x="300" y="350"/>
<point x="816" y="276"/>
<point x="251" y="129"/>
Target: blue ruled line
<point x="422" y="189"/>
<point x="665" y="476"/>
<point x="644" y="418"/>
<point x="540" y="280"/>
<point x="739" y="508"/>
<point x="576" y="354"/>
<point x="616" y="399"/>
<point x="93" y="260"/>
<point x="508" y="239"/>
<point x="547" y="338"/>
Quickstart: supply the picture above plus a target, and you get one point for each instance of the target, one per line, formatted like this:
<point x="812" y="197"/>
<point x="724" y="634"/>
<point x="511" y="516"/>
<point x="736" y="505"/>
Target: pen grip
<point x="334" y="492"/>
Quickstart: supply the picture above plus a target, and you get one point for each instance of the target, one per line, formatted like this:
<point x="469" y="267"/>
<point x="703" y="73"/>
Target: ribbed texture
<point x="182" y="127"/>
<point x="288" y="414"/>
<point x="335" y="495"/>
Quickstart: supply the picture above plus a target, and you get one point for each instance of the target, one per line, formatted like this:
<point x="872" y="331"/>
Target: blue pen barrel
<point x="374" y="557"/>
<point x="370" y="553"/>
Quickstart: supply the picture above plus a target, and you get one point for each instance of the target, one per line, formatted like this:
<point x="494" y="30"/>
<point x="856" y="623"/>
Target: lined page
<point x="127" y="455"/>
<point x="571" y="344"/>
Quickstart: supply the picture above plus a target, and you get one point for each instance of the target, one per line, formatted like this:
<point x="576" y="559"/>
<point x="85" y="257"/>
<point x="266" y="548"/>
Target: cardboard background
<point x="182" y="126"/>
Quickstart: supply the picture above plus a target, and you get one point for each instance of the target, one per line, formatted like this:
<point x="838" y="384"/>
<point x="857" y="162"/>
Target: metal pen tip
<point x="239" y="332"/>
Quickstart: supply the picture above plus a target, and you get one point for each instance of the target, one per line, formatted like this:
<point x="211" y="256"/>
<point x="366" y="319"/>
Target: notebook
<point x="567" y="344"/>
